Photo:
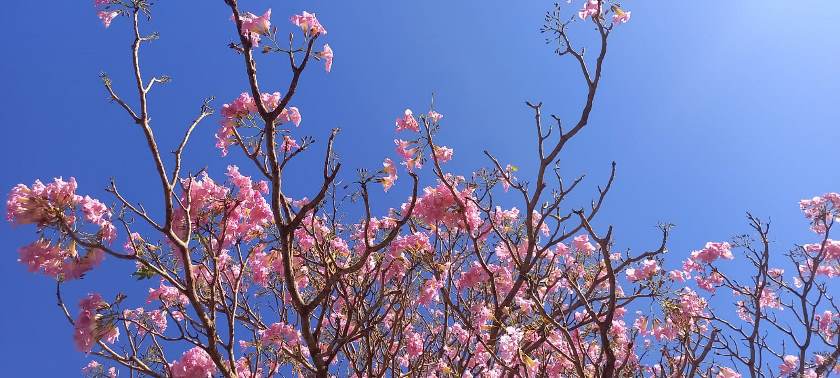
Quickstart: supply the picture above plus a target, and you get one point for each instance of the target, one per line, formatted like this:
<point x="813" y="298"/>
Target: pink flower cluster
<point x="245" y="213"/>
<point x="414" y="344"/>
<point x="253" y="26"/>
<point x="41" y="204"/>
<point x="472" y="277"/>
<point x="828" y="323"/>
<point x="91" y="326"/>
<point x="821" y="210"/>
<point x="407" y="122"/>
<point x="827" y="256"/>
<point x="390" y="171"/>
<point x="249" y="218"/>
<point x="309" y="24"/>
<point x="726" y="372"/>
<point x="105" y="12"/>
<point x="194" y="363"/>
<point x="789" y="364"/>
<point x="167" y="295"/>
<point x="281" y="335"/>
<point x="430" y="291"/>
<point x="590" y="9"/>
<point x="443" y="154"/>
<point x="648" y="269"/>
<point x="95" y="369"/>
<point x="46" y="205"/>
<point x="712" y="251"/>
<point x="439" y="205"/>
<point x="327" y="56"/>
<point x="57" y="206"/>
<point x="412" y="156"/>
<point x="236" y="112"/>
<point x="620" y="16"/>
<point x="55" y="261"/>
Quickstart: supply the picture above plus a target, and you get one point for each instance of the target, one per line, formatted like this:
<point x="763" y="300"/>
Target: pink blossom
<point x="443" y="154"/>
<point x="390" y="174"/>
<point x="417" y="242"/>
<point x="107" y="17"/>
<point x="679" y="275"/>
<point x="194" y="363"/>
<point x="253" y="26"/>
<point x="288" y="144"/>
<point x="167" y="295"/>
<point x="473" y="276"/>
<point x="726" y="372"/>
<point x="252" y="23"/>
<point x="407" y="122"/>
<point x="41" y="203"/>
<point x="76" y="268"/>
<point x="790" y="363"/>
<point x="308" y="23"/>
<point x="709" y="283"/>
<point x="262" y="265"/>
<point x="712" y="251"/>
<point x="281" y="335"/>
<point x="403" y="149"/>
<point x="409" y="154"/>
<point x="691" y="304"/>
<point x="438" y="204"/>
<point x="665" y="332"/>
<point x="430" y="291"/>
<point x="290" y="114"/>
<point x="434" y="116"/>
<point x="55" y="261"/>
<point x="648" y="269"/>
<point x="769" y="299"/>
<point x="776" y="272"/>
<point x="90" y="326"/>
<point x="827" y="323"/>
<point x="414" y="344"/>
<point x="241" y="108"/>
<point x="244" y="369"/>
<point x="327" y="56"/>
<point x="581" y="243"/>
<point x="820" y="210"/>
<point x="620" y="15"/>
<point x="95" y="369"/>
<point x="590" y="9"/>
<point x="509" y="344"/>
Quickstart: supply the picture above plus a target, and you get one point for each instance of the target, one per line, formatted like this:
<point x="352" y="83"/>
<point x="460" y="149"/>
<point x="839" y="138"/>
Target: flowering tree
<point x="248" y="282"/>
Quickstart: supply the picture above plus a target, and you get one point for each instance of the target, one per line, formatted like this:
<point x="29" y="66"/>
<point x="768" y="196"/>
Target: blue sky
<point x="709" y="110"/>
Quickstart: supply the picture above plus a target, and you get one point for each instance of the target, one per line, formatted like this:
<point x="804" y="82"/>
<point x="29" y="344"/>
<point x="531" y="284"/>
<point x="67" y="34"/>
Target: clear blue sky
<point x="709" y="109"/>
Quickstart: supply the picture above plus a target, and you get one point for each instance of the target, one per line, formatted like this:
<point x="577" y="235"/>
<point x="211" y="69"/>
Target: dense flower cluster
<point x="194" y="363"/>
<point x="91" y="325"/>
<point x="453" y="208"/>
<point x="57" y="207"/>
<point x="281" y="335"/>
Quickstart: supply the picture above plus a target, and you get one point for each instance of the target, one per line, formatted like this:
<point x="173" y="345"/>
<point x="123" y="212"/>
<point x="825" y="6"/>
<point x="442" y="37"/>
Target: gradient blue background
<point x="709" y="109"/>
